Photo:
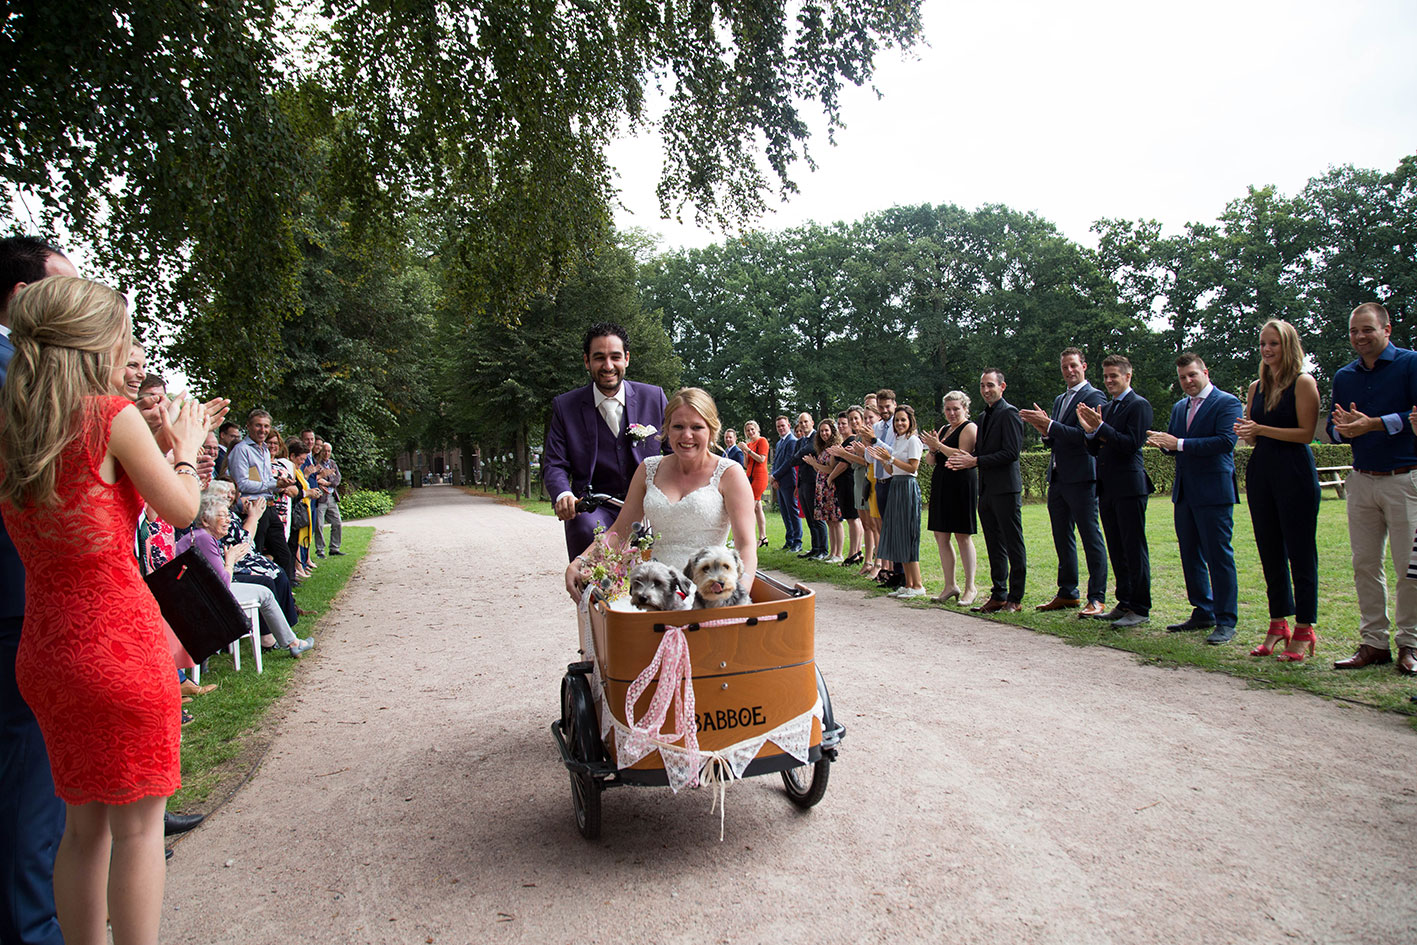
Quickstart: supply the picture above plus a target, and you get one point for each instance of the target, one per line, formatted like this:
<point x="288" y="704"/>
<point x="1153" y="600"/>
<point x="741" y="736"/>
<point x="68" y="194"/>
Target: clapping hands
<point x="1090" y="417"/>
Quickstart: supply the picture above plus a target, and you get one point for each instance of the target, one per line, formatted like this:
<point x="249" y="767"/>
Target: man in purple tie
<point x="1201" y="435"/>
<point x="590" y="446"/>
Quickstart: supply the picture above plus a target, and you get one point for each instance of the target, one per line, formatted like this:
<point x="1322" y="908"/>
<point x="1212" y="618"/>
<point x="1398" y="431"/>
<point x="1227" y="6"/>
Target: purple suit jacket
<point x="572" y="439"/>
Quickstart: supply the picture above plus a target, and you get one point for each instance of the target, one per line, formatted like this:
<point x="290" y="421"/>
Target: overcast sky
<point x="1099" y="108"/>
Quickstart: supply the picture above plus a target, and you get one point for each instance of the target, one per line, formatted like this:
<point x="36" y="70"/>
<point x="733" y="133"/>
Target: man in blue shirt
<point x="1371" y="400"/>
<point x="784" y="483"/>
<point x="249" y="465"/>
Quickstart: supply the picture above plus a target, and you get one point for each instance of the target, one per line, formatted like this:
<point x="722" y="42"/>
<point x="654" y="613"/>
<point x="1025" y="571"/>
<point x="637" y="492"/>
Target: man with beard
<point x="996" y="455"/>
<point x="589" y="445"/>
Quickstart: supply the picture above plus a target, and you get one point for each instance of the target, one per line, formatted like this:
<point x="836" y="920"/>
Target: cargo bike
<point x="696" y="697"/>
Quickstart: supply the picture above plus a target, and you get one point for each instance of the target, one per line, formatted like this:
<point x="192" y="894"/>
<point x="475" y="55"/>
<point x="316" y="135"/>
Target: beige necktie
<point x="610" y="410"/>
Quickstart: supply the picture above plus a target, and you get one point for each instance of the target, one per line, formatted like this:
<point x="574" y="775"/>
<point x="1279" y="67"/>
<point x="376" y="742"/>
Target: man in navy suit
<point x="784" y="484"/>
<point x="31" y="816"/>
<point x="1201" y="435"/>
<point x="589" y="446"/>
<point x="1072" y="487"/>
<point x="1115" y="435"/>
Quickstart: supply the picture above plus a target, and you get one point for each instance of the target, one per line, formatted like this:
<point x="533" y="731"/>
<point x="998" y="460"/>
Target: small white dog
<point x="717" y="574"/>
<point x="657" y="586"/>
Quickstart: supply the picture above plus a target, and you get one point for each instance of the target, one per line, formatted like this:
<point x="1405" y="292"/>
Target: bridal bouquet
<point x="607" y="564"/>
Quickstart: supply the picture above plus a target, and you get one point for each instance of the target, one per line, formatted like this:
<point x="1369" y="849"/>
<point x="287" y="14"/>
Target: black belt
<point x="1387" y="472"/>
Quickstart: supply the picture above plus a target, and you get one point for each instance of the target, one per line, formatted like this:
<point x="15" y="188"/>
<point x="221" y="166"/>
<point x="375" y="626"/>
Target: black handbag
<point x="197" y="604"/>
<point x="299" y="517"/>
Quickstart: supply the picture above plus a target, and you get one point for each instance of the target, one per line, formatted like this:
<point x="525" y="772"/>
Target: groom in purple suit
<point x="588" y="445"/>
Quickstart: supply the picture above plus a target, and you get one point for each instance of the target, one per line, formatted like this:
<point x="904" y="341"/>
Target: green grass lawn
<point x="218" y="747"/>
<point x="1380" y="687"/>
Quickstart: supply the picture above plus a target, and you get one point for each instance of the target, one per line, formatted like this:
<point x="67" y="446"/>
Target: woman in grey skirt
<point x="900" y="539"/>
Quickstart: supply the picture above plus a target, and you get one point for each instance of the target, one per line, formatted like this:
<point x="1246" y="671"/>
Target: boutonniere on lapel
<point x="639" y="432"/>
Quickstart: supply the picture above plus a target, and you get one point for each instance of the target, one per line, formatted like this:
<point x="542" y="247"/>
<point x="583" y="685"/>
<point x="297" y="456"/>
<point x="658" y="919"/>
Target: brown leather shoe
<point x="1407" y="660"/>
<point x="1059" y="603"/>
<point x="1094" y="608"/>
<point x="1010" y="607"/>
<point x="1365" y="656"/>
<point x="989" y="606"/>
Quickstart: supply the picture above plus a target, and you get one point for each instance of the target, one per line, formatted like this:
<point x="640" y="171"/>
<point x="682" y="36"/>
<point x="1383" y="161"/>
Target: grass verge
<point x="224" y="742"/>
<point x="1380" y="687"/>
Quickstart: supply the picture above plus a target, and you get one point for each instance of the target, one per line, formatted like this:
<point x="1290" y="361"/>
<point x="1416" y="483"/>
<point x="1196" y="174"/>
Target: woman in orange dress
<point x="77" y="462"/>
<point x="755" y="449"/>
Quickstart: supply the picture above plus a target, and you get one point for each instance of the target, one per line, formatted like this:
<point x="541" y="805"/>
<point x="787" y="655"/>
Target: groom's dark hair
<point x="599" y="329"/>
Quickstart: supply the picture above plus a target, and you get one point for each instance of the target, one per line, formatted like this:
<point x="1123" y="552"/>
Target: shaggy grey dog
<point x="717" y="574"/>
<point x="657" y="586"/>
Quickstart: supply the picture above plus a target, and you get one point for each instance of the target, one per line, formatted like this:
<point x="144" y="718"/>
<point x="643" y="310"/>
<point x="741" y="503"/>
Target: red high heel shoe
<point x="1301" y="636"/>
<point x="1278" y="630"/>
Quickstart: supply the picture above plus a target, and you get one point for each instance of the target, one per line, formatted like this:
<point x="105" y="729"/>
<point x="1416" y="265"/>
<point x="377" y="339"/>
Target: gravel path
<point x="995" y="785"/>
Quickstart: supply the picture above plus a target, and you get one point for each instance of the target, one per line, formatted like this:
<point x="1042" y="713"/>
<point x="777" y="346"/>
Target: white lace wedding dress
<point x="698" y="520"/>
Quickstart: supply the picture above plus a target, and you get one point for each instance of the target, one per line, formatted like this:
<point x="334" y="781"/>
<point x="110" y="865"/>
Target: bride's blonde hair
<point x="65" y="332"/>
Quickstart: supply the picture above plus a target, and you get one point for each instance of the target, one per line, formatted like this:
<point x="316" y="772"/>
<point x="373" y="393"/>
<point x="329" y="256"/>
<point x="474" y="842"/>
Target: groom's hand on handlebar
<point x="566" y="508"/>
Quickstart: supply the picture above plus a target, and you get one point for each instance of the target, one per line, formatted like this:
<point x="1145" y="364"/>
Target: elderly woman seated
<point x="213" y="520"/>
<point x="253" y="567"/>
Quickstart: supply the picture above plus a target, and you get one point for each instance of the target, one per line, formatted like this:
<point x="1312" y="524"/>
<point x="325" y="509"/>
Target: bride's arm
<point x="738" y="500"/>
<point x="632" y="511"/>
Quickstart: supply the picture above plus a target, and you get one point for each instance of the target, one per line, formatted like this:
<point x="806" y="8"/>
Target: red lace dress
<point x="93" y="662"/>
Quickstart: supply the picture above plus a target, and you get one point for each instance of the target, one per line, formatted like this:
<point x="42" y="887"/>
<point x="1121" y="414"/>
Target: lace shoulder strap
<point x="651" y="466"/>
<point x="723" y="463"/>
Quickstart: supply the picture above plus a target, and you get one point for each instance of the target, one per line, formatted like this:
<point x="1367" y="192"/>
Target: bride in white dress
<point x="691" y="498"/>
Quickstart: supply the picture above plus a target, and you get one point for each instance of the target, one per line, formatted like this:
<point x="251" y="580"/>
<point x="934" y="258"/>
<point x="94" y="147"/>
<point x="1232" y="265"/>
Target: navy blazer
<point x="1205" y="468"/>
<point x="572" y="439"/>
<point x="1117" y="445"/>
<point x="12" y="572"/>
<point x="1069" y="459"/>
<point x="783" y="457"/>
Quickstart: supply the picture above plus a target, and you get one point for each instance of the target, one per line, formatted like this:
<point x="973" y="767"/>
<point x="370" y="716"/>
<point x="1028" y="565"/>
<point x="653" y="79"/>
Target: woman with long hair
<point x="77" y="462"/>
<point x="1282" y="488"/>
<point x="954" y="497"/>
<point x="900" y="534"/>
<point x="864" y="479"/>
<point x="755" y="451"/>
<point x="827" y="507"/>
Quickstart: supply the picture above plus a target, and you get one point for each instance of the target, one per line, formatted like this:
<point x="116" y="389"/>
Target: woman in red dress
<point x="77" y="461"/>
<point x="755" y="450"/>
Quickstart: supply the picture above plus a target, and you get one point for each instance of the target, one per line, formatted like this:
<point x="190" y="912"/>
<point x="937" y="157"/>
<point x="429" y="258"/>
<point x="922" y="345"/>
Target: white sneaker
<point x="835" y="559"/>
<point x="908" y="592"/>
<point x="896" y="592"/>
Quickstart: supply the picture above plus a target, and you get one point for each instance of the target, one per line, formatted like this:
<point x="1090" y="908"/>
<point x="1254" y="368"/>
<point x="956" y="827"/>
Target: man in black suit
<point x="996" y="452"/>
<point x="1072" y="488"/>
<point x="1115" y="435"/>
<point x="807" y="488"/>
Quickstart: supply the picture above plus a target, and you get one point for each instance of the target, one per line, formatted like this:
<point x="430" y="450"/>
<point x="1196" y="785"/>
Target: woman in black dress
<point x="1282" y="488"/>
<point x="954" y="495"/>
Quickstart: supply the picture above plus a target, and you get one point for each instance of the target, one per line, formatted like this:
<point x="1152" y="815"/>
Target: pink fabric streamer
<point x="676" y="687"/>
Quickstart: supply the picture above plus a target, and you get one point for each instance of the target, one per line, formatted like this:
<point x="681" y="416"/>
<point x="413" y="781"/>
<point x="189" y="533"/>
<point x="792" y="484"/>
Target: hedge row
<point x="365" y="504"/>
<point x="1161" y="468"/>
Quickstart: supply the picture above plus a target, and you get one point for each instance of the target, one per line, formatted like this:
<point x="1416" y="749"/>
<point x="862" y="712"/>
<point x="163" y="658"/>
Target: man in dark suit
<point x="1115" y="435"/>
<point x="31" y="816"/>
<point x="784" y="484"/>
<point x="996" y="452"/>
<point x="589" y="446"/>
<point x="807" y="488"/>
<point x="1201" y="435"/>
<point x="1072" y="487"/>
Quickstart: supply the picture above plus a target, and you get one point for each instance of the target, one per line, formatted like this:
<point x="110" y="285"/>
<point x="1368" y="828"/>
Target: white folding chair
<point x="253" y="612"/>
